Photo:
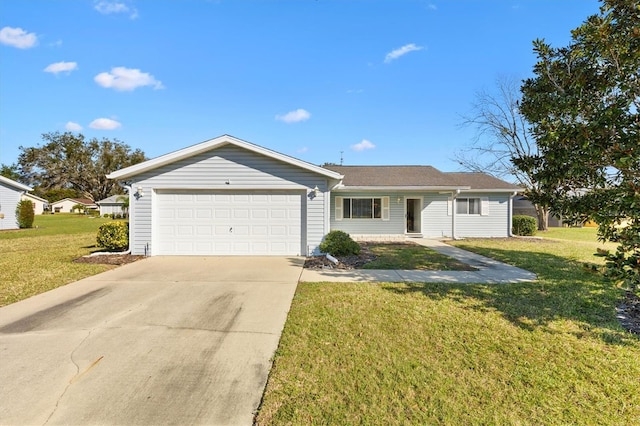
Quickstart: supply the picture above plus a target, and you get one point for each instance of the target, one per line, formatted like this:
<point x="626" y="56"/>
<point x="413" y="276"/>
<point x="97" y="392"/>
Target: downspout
<point x="454" y="195"/>
<point x="510" y="215"/>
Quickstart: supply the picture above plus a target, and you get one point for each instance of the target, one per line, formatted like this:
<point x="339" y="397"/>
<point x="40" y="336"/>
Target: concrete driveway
<point x="165" y="340"/>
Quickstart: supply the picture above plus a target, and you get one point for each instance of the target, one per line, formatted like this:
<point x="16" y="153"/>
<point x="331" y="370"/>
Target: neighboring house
<point x="112" y="205"/>
<point x="522" y="206"/>
<point x="66" y="205"/>
<point x="10" y="195"/>
<point x="39" y="204"/>
<point x="226" y="196"/>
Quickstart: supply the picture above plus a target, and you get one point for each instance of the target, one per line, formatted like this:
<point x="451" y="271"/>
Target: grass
<point x="412" y="256"/>
<point x="549" y="352"/>
<point x="41" y="258"/>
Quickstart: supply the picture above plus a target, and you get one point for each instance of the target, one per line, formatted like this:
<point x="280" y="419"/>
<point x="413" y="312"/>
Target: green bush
<point x="339" y="243"/>
<point x="113" y="235"/>
<point x="524" y="225"/>
<point x="24" y="214"/>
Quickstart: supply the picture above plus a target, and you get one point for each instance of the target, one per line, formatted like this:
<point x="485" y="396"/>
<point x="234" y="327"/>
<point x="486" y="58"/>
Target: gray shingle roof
<point x="419" y="176"/>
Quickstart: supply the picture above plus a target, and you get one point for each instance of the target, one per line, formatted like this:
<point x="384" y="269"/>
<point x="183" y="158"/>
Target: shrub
<point x="339" y="243"/>
<point x="524" y="225"/>
<point x="106" y="215"/>
<point x="113" y="235"/>
<point x="24" y="214"/>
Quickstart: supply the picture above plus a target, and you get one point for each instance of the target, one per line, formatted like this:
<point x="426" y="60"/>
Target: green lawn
<point x="41" y="258"/>
<point x="411" y="256"/>
<point x="549" y="352"/>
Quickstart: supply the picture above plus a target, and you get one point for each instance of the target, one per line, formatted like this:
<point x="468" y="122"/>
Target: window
<point x="362" y="208"/>
<point x="468" y="206"/>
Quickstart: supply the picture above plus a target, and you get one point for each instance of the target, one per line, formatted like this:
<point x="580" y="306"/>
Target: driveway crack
<point x="74" y="377"/>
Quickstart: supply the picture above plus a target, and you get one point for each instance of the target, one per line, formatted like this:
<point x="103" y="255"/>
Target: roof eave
<point x="447" y="188"/>
<point x="15" y="184"/>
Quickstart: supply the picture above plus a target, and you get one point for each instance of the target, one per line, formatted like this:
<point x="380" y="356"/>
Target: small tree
<point x="24" y="214"/>
<point x="80" y="208"/>
<point x="125" y="204"/>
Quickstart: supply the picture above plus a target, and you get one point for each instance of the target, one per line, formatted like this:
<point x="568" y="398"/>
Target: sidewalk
<point x="489" y="271"/>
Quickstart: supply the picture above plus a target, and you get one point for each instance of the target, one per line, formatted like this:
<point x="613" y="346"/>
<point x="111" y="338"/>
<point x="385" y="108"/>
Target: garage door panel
<point x="209" y="223"/>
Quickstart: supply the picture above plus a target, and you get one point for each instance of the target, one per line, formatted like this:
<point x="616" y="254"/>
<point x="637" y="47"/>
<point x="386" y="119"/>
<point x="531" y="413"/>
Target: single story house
<point x="66" y="205"/>
<point x="10" y="195"/>
<point x="112" y="205"/>
<point x="226" y="196"/>
<point x="39" y="204"/>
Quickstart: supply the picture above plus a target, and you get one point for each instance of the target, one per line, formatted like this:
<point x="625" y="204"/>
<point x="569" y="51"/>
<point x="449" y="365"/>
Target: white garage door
<point x="228" y="223"/>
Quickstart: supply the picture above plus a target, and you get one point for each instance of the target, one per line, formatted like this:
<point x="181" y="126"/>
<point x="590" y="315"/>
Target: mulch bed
<point x="109" y="259"/>
<point x="344" y="262"/>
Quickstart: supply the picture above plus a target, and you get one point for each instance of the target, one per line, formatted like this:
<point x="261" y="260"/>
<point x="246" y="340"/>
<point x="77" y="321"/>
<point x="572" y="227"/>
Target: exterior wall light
<point x="139" y="193"/>
<point x="316" y="191"/>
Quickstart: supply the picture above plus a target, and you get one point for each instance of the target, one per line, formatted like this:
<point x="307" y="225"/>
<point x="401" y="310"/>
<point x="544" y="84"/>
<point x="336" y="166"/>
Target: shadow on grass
<point x="565" y="290"/>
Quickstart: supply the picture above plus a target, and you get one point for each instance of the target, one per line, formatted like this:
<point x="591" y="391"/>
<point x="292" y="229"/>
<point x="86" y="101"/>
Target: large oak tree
<point x="69" y="161"/>
<point x="584" y="105"/>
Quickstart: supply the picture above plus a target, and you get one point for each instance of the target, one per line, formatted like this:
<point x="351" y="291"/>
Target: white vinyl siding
<point x="232" y="169"/>
<point x="391" y="221"/>
<point x="9" y="199"/>
<point x="436" y="216"/>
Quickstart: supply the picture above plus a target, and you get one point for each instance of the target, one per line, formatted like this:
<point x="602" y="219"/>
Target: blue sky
<point x="385" y="82"/>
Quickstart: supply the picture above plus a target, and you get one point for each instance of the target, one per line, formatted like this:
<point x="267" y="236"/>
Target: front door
<point x="413" y="215"/>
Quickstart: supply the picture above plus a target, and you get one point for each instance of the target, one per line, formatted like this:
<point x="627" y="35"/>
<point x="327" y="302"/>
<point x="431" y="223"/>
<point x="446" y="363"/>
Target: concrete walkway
<point x="489" y="271"/>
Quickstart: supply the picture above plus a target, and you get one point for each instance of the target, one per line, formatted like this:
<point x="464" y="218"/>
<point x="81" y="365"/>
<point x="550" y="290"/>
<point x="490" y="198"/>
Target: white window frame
<point x="482" y="202"/>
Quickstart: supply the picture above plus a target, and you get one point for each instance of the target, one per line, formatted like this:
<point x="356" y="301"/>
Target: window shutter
<point x="385" y="208"/>
<point x="484" y="206"/>
<point x="449" y="206"/>
<point x="338" y="201"/>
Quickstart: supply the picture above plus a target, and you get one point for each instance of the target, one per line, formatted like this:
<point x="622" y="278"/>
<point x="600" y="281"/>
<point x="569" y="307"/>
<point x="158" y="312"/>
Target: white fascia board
<point x="495" y="190"/>
<point x="341" y="188"/>
<point x="210" y="145"/>
<point x="15" y="184"/>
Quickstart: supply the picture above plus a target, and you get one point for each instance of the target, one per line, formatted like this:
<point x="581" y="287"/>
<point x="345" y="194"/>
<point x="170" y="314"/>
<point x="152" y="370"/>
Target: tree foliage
<point x="502" y="135"/>
<point x="583" y="104"/>
<point x="10" y="171"/>
<point x="69" y="161"/>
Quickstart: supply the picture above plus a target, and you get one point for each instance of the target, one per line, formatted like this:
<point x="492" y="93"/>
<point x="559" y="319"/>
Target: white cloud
<point x="104" y="124"/>
<point x="395" y="54"/>
<point x="109" y="7"/>
<point x="72" y="127"/>
<point x="17" y="37"/>
<point x="302" y="150"/>
<point x="365" y="144"/>
<point x="294" y="116"/>
<point x="61" y="67"/>
<point x="126" y="79"/>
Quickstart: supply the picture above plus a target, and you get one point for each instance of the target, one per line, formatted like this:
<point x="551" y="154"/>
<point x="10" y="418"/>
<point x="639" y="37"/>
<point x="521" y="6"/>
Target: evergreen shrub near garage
<point x="113" y="235"/>
<point x="339" y="243"/>
<point x="24" y="214"/>
<point x="524" y="225"/>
